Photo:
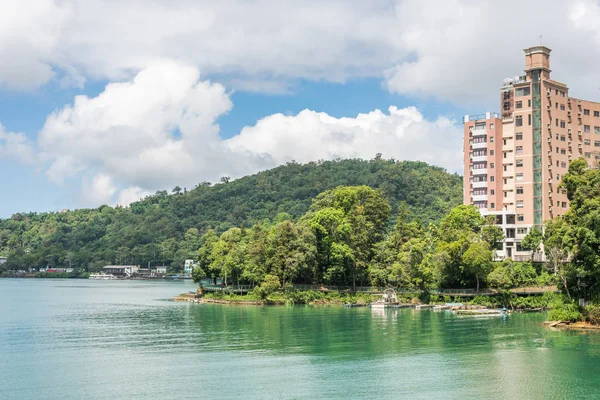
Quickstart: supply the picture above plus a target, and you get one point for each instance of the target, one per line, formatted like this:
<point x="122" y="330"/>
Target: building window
<point x="522" y="231"/>
<point x="563" y="164"/>
<point x="492" y="165"/>
<point x="558" y="177"/>
<point x="529" y="103"/>
<point x="524" y="91"/>
<point x="519" y="120"/>
<point x="563" y="138"/>
<point x="519" y="104"/>
<point x="555" y="104"/>
<point x="562" y="107"/>
<point x="586" y="142"/>
<point x="596" y="113"/>
<point x="597" y="129"/>
<point x="491" y="152"/>
<point x="586" y="128"/>
<point x="562" y="124"/>
<point x="556" y="122"/>
<point x="586" y="111"/>
<point x="491" y="127"/>
<point x="596" y="143"/>
<point x="564" y="204"/>
<point x="519" y="189"/>
<point x="528" y="119"/>
<point x="491" y="179"/>
<point x="519" y="149"/>
<point x="519" y="177"/>
<point x="588" y="155"/>
<point x="491" y="139"/>
<point x="519" y="136"/>
<point x="563" y="151"/>
<point x="562" y="94"/>
<point x="505" y="194"/>
<point x="493" y="205"/>
<point x="519" y="203"/>
<point x="520" y="218"/>
<point x="492" y="192"/>
<point x="519" y="163"/>
<point x="519" y="247"/>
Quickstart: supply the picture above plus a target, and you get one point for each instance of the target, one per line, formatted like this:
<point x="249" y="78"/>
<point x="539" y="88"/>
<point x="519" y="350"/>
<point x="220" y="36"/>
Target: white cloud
<point x="160" y="130"/>
<point x="16" y="146"/>
<point x="401" y="133"/>
<point x="99" y="190"/>
<point x="130" y="195"/>
<point x="457" y="50"/>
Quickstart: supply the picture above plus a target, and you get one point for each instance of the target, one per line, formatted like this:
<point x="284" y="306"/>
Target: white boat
<point x="102" y="276"/>
<point x="388" y="300"/>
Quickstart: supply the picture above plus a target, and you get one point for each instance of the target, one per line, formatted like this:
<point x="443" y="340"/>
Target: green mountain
<point x="166" y="228"/>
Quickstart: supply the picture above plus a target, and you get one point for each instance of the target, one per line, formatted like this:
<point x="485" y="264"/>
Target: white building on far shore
<point x="189" y="266"/>
<point x="3" y="260"/>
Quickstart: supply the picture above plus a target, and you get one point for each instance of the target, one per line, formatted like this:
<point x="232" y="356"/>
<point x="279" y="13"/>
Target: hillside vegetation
<point x="167" y="227"/>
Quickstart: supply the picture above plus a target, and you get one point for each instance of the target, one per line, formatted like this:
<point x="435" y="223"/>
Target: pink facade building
<point x="514" y="161"/>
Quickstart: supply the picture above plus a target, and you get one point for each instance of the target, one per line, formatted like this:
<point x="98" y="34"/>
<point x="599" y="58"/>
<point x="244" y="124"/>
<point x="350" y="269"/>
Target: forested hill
<point x="166" y="227"/>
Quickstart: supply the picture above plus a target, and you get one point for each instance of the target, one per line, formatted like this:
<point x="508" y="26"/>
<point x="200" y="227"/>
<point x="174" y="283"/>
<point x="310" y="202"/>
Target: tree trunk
<point x="564" y="281"/>
<point x="477" y="278"/>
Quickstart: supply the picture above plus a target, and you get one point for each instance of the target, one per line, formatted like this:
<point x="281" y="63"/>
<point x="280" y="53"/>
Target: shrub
<point x="565" y="312"/>
<point x="592" y="314"/>
<point x="269" y="286"/>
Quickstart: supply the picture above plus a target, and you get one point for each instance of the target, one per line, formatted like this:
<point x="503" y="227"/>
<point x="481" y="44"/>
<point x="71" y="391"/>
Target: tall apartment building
<point x="514" y="161"/>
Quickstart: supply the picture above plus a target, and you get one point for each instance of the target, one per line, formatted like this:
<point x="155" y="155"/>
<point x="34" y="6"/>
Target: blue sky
<point x="191" y="91"/>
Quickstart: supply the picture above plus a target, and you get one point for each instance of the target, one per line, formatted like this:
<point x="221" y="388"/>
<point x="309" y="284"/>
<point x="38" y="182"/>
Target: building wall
<point x="541" y="130"/>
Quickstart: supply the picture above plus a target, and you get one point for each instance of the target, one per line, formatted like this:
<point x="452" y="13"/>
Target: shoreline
<point x="576" y="326"/>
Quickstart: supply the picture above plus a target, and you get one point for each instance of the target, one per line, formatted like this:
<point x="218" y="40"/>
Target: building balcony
<point x="479" y="185"/>
<point x="510" y="172"/>
<point x="479" y="197"/>
<point x="481" y="145"/>
<point x="480" y="171"/>
<point x="478" y="158"/>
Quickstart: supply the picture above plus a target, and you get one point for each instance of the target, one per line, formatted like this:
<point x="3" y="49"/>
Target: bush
<point x="592" y="314"/>
<point x="565" y="312"/>
<point x="269" y="286"/>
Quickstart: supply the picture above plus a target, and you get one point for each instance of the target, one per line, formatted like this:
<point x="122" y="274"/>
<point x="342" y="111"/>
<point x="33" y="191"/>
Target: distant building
<point x="3" y="260"/>
<point x="121" y="270"/>
<point x="161" y="270"/>
<point x="189" y="266"/>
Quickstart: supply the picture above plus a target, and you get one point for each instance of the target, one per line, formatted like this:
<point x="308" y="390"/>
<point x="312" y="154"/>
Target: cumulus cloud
<point x="456" y="50"/>
<point x="160" y="129"/>
<point x="16" y="146"/>
<point x="98" y="190"/>
<point x="401" y="133"/>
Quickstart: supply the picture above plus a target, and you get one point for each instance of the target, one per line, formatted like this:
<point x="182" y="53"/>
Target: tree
<point x="558" y="245"/>
<point x="198" y="274"/>
<point x="491" y="233"/>
<point x="176" y="190"/>
<point x="478" y="260"/>
<point x="355" y="218"/>
<point x="532" y="241"/>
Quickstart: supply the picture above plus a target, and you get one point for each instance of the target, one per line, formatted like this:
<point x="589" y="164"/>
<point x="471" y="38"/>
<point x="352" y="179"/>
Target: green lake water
<point x="79" y="339"/>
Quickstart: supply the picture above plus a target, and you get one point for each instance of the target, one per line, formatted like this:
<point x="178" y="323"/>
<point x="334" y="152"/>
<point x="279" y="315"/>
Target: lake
<point x="80" y="339"/>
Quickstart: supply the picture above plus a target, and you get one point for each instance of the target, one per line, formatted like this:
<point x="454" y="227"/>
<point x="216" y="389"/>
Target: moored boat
<point x="388" y="300"/>
<point x="102" y="276"/>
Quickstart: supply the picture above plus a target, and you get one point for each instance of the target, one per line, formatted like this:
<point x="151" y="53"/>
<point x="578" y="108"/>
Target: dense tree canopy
<point x="169" y="228"/>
